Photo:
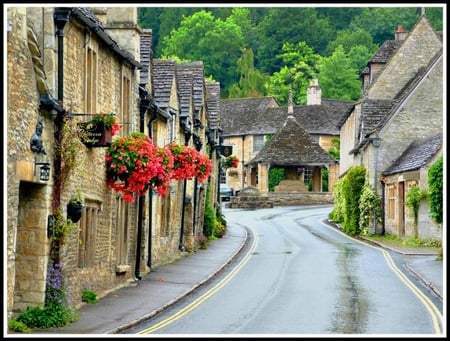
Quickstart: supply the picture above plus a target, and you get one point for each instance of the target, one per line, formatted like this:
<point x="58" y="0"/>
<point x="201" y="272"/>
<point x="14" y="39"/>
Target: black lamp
<point x="44" y="170"/>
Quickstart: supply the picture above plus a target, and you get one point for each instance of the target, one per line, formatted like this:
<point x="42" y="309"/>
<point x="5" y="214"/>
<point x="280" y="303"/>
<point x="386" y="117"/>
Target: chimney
<point x="290" y="103"/>
<point x="400" y="34"/>
<point x="314" y="93"/>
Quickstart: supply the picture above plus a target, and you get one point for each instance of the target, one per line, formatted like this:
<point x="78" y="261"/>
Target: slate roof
<point x="213" y="104"/>
<point x="146" y="55"/>
<point x="248" y="116"/>
<point x="185" y="79"/>
<point x="94" y="24"/>
<point x="238" y="115"/>
<point x="416" y="156"/>
<point x="163" y="78"/>
<point x="385" y="52"/>
<point x="198" y="80"/>
<point x="291" y="145"/>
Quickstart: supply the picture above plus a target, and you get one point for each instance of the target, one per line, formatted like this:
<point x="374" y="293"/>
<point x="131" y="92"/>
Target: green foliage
<point x="370" y="207"/>
<point x="53" y="315"/>
<point x="77" y="198"/>
<point x="337" y="78"/>
<point x="56" y="312"/>
<point x="202" y="37"/>
<point x="209" y="222"/>
<point x="62" y="227"/>
<point x="352" y="185"/>
<point x="435" y="186"/>
<point x="337" y="214"/>
<point x="88" y="296"/>
<point x="251" y="81"/>
<point x="334" y="150"/>
<point x="275" y="177"/>
<point x="299" y="68"/>
<point x="325" y="179"/>
<point x="220" y="229"/>
<point x="413" y="198"/>
<point x="202" y="241"/>
<point x="18" y="327"/>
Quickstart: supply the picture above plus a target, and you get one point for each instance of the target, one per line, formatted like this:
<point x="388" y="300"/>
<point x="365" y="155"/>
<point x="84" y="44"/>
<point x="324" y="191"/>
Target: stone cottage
<point x="64" y="65"/>
<point x="402" y="102"/>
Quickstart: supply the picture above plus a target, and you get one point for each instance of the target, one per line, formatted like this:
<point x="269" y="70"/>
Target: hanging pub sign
<point x="226" y="150"/>
<point x="95" y="134"/>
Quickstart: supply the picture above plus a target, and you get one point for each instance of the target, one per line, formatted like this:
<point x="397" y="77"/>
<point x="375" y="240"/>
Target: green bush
<point x="18" y="326"/>
<point x="53" y="315"/>
<point x="352" y="185"/>
<point x="88" y="296"/>
<point x="369" y="207"/>
<point x="435" y="185"/>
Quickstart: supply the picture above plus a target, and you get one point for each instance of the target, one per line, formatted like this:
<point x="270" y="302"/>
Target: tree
<point x="292" y="25"/>
<point x="251" y="82"/>
<point x="300" y="67"/>
<point x="202" y="37"/>
<point x="337" y="77"/>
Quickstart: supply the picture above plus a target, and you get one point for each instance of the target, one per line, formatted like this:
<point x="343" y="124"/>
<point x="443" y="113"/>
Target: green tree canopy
<point x="216" y="42"/>
<point x="300" y="67"/>
<point x="337" y="78"/>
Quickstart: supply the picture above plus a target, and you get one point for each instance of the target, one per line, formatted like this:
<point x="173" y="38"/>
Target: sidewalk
<point x="164" y="285"/>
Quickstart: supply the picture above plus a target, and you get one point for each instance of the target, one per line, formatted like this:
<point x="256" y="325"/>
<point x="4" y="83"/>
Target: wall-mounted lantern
<point x="44" y="170"/>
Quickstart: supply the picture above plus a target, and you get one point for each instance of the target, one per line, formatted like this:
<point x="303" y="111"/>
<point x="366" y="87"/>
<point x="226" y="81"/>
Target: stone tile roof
<point x="213" y="104"/>
<point x="254" y="119"/>
<point x="146" y="55"/>
<point x="291" y="145"/>
<point x="198" y="80"/>
<point x="163" y="78"/>
<point x="94" y="24"/>
<point x="238" y="115"/>
<point x="416" y="156"/>
<point x="185" y="78"/>
<point x="386" y="50"/>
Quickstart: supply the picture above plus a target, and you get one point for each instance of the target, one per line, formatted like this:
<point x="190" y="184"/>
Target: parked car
<point x="226" y="192"/>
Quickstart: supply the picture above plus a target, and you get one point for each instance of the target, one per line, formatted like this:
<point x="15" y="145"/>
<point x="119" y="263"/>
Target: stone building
<point x="64" y="65"/>
<point x="402" y="102"/>
<point x="246" y="123"/>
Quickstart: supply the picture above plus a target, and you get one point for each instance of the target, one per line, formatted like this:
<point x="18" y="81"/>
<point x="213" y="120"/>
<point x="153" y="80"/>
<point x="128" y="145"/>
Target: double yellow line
<point x="186" y="310"/>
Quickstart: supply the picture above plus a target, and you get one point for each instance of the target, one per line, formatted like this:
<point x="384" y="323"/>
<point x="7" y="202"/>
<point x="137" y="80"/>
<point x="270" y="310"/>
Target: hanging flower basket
<point x="230" y="162"/>
<point x="74" y="212"/>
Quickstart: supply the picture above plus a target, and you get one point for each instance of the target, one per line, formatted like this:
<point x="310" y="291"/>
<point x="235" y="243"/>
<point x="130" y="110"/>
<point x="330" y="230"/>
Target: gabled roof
<point x="238" y="115"/>
<point x="163" y="78"/>
<point x="145" y="44"/>
<point x="198" y="80"/>
<point x="386" y="50"/>
<point x="213" y="104"/>
<point x="185" y="81"/>
<point x="93" y="24"/>
<point x="315" y="119"/>
<point x="416" y="156"/>
<point x="291" y="145"/>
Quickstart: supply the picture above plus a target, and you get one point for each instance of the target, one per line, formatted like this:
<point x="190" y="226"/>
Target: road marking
<point x="434" y="312"/>
<point x="186" y="310"/>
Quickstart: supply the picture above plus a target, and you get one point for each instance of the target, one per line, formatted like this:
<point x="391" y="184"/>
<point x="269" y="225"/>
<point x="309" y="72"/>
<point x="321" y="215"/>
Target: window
<point x="165" y="215"/>
<point x="125" y="106"/>
<point x="391" y="201"/>
<point x="258" y="143"/>
<point x="122" y="222"/>
<point x="87" y="234"/>
<point x="91" y="80"/>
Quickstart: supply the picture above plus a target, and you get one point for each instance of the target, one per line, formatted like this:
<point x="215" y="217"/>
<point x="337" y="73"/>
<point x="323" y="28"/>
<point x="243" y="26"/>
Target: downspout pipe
<point x="60" y="17"/>
<point x="144" y="105"/>
<point x="187" y="136"/>
<point x="154" y="115"/>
